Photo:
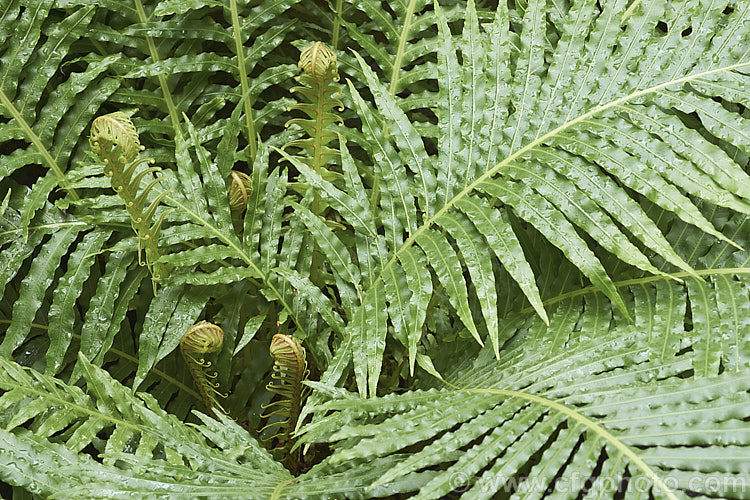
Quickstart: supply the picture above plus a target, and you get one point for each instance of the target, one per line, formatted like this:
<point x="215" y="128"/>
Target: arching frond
<point x="590" y="403"/>
<point x="142" y="450"/>
<point x="45" y="113"/>
<point x="567" y="137"/>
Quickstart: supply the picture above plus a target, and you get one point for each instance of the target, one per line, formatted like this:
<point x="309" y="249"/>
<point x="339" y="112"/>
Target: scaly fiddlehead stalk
<point x="201" y="339"/>
<point x="115" y="140"/>
<point x="289" y="371"/>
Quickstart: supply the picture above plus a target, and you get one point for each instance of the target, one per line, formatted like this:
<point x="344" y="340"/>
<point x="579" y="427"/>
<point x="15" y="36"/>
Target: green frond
<point x="114" y="139"/>
<point x="169" y="316"/>
<point x="38" y="39"/>
<point x="287" y="381"/>
<point x="643" y="406"/>
<point x="33" y="287"/>
<point x="38" y="291"/>
<point x="179" y="69"/>
<point x="142" y="450"/>
<point x="96" y="335"/>
<point x="319" y="78"/>
<point x="125" y="429"/>
<point x="514" y="242"/>
<point x="569" y="164"/>
<point x="399" y="40"/>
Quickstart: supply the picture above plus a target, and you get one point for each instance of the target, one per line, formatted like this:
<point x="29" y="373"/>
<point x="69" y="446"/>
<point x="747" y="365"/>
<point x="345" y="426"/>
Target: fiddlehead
<point x="201" y="339"/>
<point x="289" y="372"/>
<point x="115" y="141"/>
<point x="240" y="188"/>
<point x="319" y="66"/>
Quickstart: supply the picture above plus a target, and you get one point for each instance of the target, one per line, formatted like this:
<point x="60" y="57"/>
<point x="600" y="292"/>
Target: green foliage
<point x="513" y="240"/>
<point x="654" y="405"/>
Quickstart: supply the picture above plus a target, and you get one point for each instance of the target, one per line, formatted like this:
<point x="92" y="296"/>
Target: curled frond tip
<point x="319" y="61"/>
<point x="114" y="135"/>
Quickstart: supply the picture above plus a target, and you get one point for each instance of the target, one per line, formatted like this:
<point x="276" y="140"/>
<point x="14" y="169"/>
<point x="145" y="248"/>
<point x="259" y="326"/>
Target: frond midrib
<point x="74" y="406"/>
<point x="639" y="281"/>
<point x="244" y="84"/>
<point x="45" y="226"/>
<point x="49" y="161"/>
<point x="118" y="422"/>
<point x="396" y="68"/>
<point x="154" y="53"/>
<point x="598" y="429"/>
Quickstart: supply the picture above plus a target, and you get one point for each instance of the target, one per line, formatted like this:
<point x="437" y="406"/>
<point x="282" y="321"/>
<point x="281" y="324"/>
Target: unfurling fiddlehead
<point x="240" y="188"/>
<point x="289" y="371"/>
<point x="115" y="140"/>
<point x="319" y="67"/>
<point x="201" y="339"/>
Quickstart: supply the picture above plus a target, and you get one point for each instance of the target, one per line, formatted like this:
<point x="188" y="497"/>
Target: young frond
<point x="201" y="339"/>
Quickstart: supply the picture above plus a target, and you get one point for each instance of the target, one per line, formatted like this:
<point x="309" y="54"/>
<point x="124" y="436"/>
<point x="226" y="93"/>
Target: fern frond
<point x="319" y="66"/>
<point x="638" y="409"/>
<point x="46" y="113"/>
<point x="390" y="38"/>
<point x="144" y="450"/>
<point x="575" y="144"/>
<point x="127" y="429"/>
<point x="179" y="69"/>
<point x="52" y="238"/>
<point x="115" y="141"/>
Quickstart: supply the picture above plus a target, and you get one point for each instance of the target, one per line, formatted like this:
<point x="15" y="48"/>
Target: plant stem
<point x="244" y="85"/>
<point x="175" y="117"/>
<point x="402" y="39"/>
<point x="336" y="24"/>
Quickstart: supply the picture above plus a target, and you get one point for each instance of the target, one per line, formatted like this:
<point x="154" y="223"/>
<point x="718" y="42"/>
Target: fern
<point x="115" y="140"/>
<point x="30" y="61"/>
<point x="320" y="72"/>
<point x="171" y="458"/>
<point x="112" y="410"/>
<point x="239" y="190"/>
<point x="289" y="373"/>
<point x="513" y="242"/>
<point x="590" y="402"/>
<point x="550" y="167"/>
<point x="201" y="339"/>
